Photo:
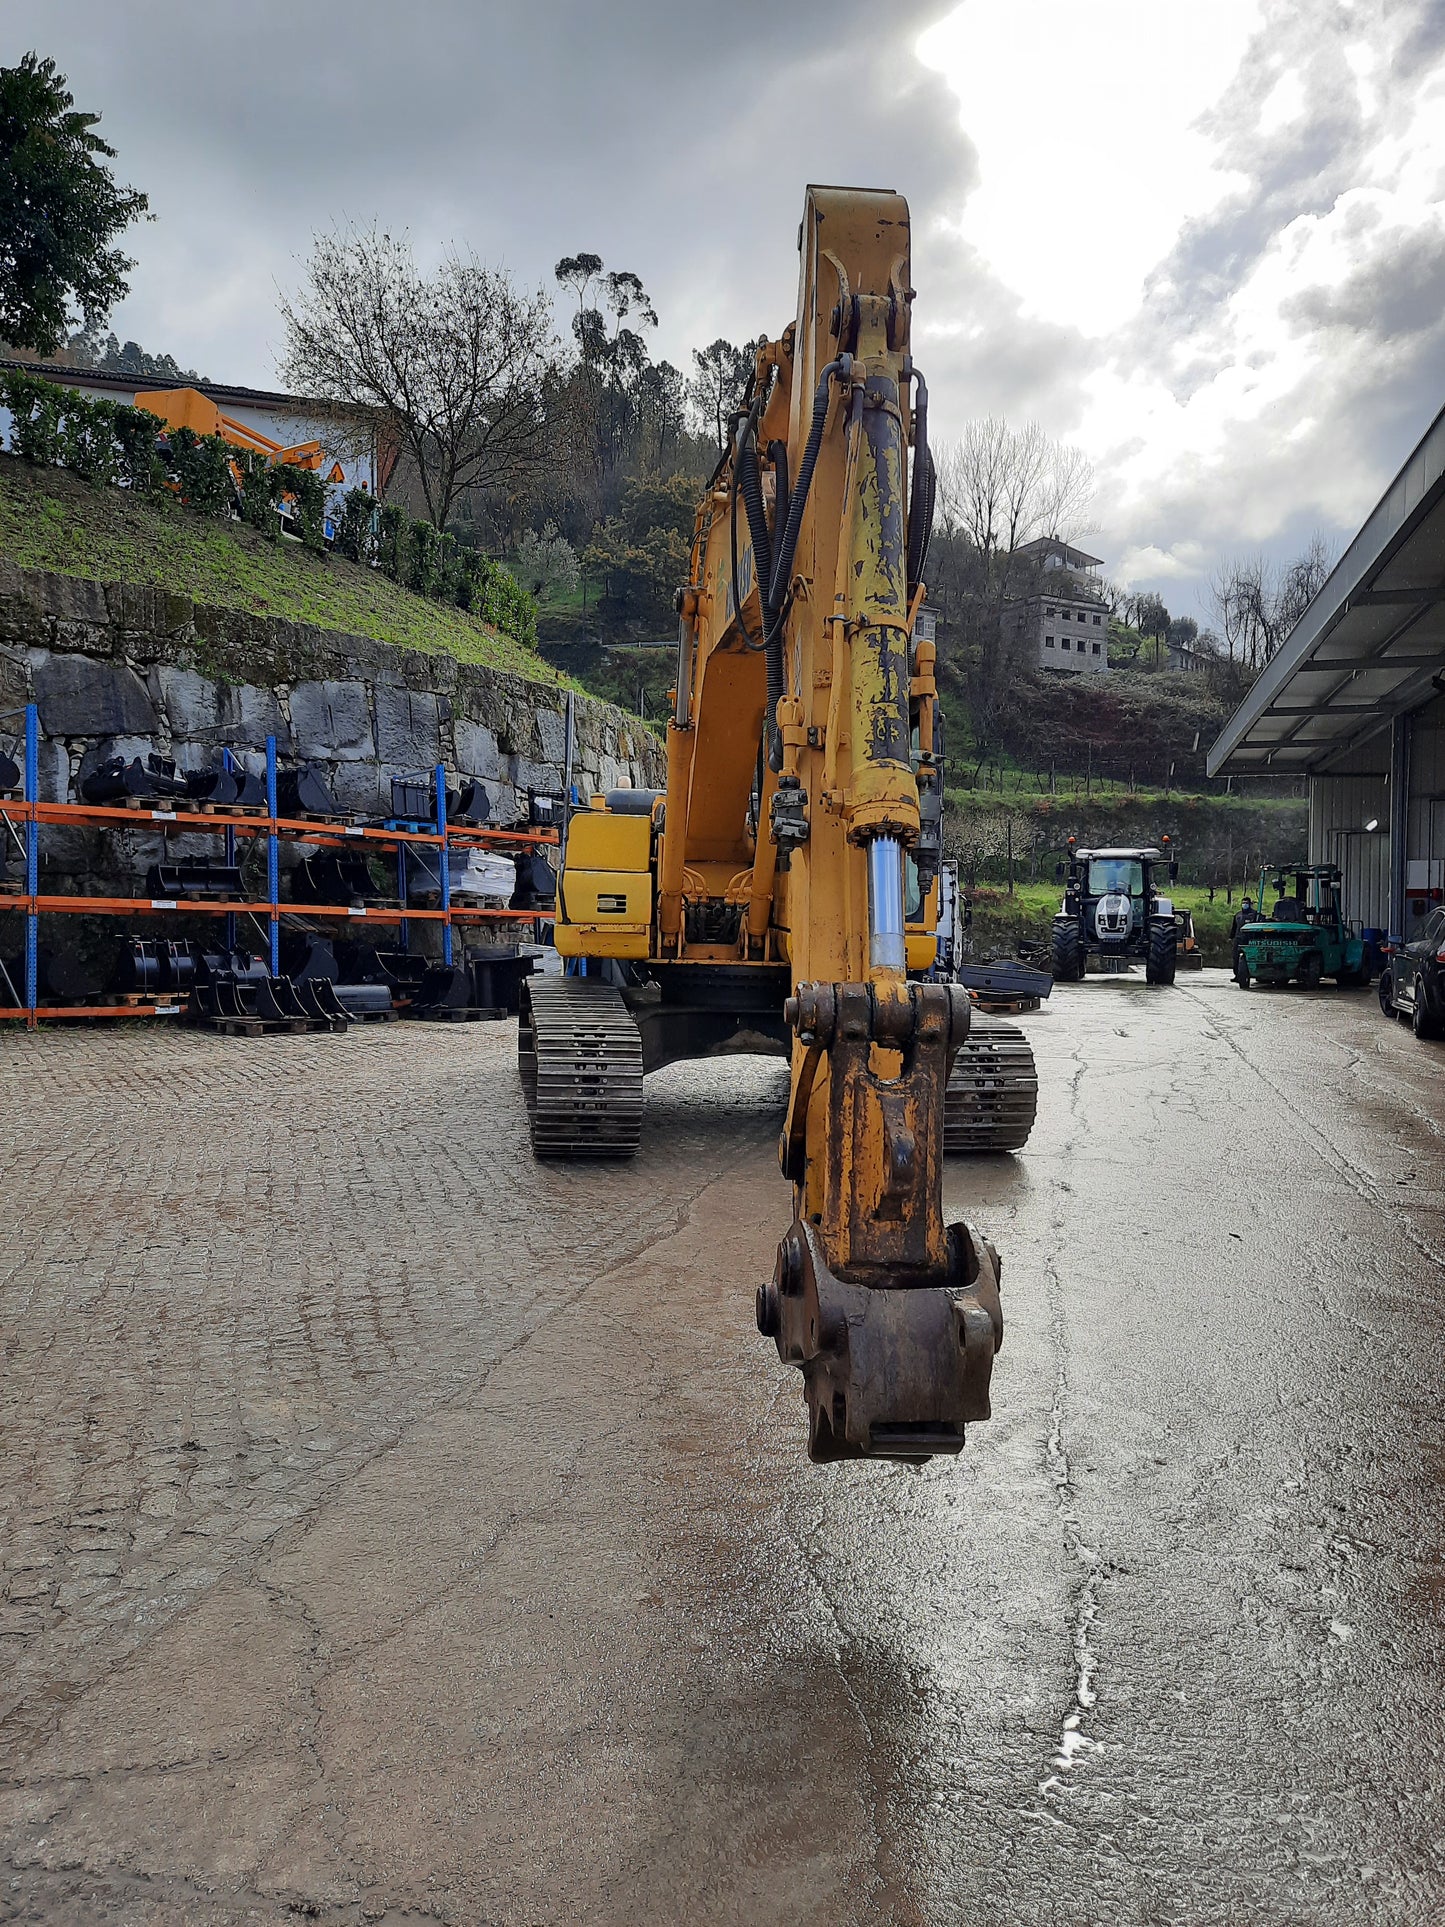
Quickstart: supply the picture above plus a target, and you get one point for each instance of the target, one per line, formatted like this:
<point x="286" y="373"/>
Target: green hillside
<point x="51" y="520"/>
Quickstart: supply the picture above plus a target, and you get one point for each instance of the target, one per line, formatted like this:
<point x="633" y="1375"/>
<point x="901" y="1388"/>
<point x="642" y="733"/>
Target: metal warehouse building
<point x="1353" y="701"/>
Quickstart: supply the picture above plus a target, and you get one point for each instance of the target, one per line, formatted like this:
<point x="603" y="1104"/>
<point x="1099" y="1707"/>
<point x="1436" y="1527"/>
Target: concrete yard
<point x="395" y="1530"/>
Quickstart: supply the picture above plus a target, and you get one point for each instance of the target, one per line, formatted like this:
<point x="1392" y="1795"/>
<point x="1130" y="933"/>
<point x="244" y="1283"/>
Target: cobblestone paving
<point x="396" y="1530"/>
<point x="232" y="1273"/>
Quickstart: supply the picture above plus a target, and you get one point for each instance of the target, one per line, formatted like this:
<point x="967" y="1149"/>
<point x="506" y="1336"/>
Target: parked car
<point x="1412" y="984"/>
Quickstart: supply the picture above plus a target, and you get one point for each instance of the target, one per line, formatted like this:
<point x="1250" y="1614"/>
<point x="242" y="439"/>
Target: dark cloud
<point x="673" y="139"/>
<point x="1394" y="291"/>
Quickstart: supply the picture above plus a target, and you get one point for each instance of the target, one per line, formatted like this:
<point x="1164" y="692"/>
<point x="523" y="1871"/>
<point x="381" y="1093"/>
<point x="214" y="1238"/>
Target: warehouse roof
<point x="1367" y="648"/>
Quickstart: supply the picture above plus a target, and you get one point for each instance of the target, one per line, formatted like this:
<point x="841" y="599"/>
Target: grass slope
<point x="51" y="520"/>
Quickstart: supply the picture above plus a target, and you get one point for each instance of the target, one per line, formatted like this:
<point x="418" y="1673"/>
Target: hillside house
<point x="287" y="419"/>
<point x="1061" y="620"/>
<point x="1184" y="656"/>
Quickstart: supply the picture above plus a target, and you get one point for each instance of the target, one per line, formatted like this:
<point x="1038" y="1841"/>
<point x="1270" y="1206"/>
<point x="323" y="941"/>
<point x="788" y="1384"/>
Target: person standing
<point x="1243" y="915"/>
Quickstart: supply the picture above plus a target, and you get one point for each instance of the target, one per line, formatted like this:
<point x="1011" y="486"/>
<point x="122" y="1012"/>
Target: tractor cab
<point x="1114" y="909"/>
<point x="1301" y="932"/>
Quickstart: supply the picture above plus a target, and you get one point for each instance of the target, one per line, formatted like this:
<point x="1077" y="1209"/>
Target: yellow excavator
<point x="782" y="893"/>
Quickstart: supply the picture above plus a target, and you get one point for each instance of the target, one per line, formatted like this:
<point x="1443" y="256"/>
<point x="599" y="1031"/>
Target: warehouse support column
<point x="1399" y="822"/>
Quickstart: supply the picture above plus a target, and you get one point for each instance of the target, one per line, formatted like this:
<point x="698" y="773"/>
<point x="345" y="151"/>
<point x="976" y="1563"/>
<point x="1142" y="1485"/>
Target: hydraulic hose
<point x="798" y="499"/>
<point x="920" y="520"/>
<point x="778" y="456"/>
<point x="775" y="602"/>
<point x="750" y="485"/>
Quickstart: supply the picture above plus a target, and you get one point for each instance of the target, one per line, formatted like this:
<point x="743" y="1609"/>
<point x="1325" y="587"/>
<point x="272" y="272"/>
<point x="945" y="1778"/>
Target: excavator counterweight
<point x="782" y="894"/>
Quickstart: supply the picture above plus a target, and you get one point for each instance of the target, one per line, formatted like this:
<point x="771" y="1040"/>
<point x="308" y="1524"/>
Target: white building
<point x="1062" y="621"/>
<point x="287" y="419"/>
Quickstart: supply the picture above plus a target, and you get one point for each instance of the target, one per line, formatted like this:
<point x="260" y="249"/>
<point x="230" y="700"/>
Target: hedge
<point x="114" y="445"/>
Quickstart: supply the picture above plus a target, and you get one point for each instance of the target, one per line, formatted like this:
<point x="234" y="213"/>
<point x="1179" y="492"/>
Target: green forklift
<point x="1303" y="936"/>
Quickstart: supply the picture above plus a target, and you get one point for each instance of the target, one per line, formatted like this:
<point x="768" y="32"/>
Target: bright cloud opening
<point x="1082" y="117"/>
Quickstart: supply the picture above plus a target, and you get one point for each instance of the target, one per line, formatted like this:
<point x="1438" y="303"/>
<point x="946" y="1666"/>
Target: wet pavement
<point x="396" y="1531"/>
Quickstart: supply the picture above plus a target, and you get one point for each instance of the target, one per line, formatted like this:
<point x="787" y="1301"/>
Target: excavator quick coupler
<point x="892" y="1316"/>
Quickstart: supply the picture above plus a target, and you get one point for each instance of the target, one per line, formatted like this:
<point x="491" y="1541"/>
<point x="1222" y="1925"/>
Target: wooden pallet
<point x="431" y="900"/>
<point x="473" y="1014"/>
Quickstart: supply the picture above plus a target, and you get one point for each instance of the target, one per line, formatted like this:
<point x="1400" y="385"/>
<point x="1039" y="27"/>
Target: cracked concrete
<point x="397" y="1531"/>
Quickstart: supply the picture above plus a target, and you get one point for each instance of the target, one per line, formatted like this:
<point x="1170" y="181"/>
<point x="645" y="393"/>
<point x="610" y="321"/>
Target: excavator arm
<point x="804" y="726"/>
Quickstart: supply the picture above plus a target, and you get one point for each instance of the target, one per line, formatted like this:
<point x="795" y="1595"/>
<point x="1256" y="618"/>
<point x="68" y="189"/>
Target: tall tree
<point x="60" y="211"/>
<point x="664" y="411"/>
<point x="720" y="375"/>
<point x="610" y="383"/>
<point x="460" y="366"/>
<point x="111" y="357"/>
<point x="1151" y="619"/>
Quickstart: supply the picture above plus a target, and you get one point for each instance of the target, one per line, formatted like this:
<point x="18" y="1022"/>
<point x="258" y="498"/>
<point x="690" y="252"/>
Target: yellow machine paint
<point x="762" y="903"/>
<point x="604" y="896"/>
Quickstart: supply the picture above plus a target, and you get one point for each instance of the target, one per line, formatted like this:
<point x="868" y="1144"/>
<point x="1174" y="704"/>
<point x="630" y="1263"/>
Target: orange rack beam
<point x="42" y="1011"/>
<point x="188" y="822"/>
<point x="150" y="906"/>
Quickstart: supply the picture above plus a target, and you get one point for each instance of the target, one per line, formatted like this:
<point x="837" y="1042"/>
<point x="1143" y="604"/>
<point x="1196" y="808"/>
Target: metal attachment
<point x="788" y="822"/>
<point x="886" y="1373"/>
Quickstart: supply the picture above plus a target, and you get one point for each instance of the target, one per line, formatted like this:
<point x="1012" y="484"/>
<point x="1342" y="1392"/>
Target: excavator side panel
<point x="604" y="899"/>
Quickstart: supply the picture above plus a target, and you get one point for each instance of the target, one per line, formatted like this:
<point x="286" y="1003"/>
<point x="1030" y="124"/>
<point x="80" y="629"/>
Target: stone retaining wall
<point x="117" y="669"/>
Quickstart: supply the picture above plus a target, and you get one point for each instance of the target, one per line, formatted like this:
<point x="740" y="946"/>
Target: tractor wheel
<point x="1068" y="957"/>
<point x="1241" y="971"/>
<point x="1163" y="955"/>
<point x="1310" y="970"/>
<point x="1386" y="993"/>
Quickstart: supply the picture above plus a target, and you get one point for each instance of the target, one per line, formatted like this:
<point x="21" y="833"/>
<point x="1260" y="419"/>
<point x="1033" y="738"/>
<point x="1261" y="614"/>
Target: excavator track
<point x="993" y="1091"/>
<point x="580" y="1058"/>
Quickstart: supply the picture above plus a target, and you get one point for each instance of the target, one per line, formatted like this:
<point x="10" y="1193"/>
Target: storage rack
<point x="22" y="817"/>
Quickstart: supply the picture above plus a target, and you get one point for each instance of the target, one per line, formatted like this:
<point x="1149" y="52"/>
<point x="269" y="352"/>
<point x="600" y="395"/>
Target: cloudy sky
<point x="1201" y="239"/>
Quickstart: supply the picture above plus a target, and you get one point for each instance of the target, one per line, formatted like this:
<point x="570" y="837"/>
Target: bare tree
<point x="1004" y="487"/>
<point x="999" y="489"/>
<point x="460" y="368"/>
<point x="1257" y="603"/>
